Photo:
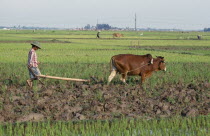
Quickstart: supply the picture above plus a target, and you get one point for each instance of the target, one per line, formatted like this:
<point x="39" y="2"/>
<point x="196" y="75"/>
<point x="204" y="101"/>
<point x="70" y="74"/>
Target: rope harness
<point x="114" y="64"/>
<point x="145" y="65"/>
<point x="135" y="69"/>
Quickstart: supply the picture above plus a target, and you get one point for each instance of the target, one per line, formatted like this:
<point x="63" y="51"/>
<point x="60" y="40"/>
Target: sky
<point x="164" y="14"/>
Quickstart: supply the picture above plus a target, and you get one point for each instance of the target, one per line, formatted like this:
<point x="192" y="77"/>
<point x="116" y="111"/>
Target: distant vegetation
<point x="206" y="29"/>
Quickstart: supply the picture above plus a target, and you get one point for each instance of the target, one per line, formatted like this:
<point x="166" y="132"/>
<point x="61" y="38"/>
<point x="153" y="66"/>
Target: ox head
<point x="161" y="65"/>
<point x="149" y="56"/>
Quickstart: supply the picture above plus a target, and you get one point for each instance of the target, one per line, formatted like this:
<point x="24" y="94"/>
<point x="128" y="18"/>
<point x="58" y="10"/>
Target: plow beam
<point x="63" y="78"/>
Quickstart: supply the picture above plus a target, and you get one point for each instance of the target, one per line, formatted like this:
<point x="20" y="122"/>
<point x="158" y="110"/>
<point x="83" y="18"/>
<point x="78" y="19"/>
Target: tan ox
<point x="117" y="35"/>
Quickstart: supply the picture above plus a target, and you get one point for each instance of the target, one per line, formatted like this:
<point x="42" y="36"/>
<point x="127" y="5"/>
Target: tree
<point x="206" y="29"/>
<point x="87" y="26"/>
<point x="103" y="26"/>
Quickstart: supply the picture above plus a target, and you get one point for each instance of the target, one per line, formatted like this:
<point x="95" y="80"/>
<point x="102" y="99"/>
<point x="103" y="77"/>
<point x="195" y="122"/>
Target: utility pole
<point x="135" y="21"/>
<point x="97" y="25"/>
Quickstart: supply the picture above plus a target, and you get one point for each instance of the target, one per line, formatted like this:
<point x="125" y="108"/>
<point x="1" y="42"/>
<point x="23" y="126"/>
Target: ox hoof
<point x="125" y="83"/>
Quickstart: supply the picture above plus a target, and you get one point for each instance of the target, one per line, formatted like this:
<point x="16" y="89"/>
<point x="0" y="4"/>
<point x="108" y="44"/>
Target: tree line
<point x="206" y="29"/>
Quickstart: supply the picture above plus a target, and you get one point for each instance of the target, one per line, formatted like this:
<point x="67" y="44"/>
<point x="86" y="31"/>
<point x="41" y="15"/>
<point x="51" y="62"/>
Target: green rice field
<point x="79" y="54"/>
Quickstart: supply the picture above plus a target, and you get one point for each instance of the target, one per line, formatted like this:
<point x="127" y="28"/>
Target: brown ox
<point x="139" y="67"/>
<point x="117" y="35"/>
<point x="128" y="64"/>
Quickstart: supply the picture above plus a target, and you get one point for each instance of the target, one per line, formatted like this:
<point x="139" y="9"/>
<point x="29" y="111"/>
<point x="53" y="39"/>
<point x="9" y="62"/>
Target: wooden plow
<point x="55" y="77"/>
<point x="63" y="78"/>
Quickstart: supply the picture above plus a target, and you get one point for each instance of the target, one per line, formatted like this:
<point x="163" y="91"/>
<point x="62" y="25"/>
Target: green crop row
<point x="126" y="127"/>
<point x="56" y="52"/>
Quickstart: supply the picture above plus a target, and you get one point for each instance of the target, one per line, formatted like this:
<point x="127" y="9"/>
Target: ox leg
<point x="112" y="75"/>
<point x="144" y="76"/>
<point x="123" y="78"/>
<point x="141" y="83"/>
<point x="142" y="79"/>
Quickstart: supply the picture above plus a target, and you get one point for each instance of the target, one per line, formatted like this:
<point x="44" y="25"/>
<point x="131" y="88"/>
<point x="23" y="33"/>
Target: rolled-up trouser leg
<point x="33" y="72"/>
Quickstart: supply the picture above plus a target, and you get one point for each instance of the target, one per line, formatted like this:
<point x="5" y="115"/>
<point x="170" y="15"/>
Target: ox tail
<point x="112" y="63"/>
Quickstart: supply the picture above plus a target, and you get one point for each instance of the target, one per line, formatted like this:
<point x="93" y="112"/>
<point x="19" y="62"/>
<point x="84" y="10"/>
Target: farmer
<point x="33" y="63"/>
<point x="98" y="34"/>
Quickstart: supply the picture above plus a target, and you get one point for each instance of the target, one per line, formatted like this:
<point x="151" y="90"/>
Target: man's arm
<point x="31" y="59"/>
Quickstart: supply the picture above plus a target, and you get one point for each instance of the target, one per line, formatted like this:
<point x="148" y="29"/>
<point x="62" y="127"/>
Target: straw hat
<point x="37" y="44"/>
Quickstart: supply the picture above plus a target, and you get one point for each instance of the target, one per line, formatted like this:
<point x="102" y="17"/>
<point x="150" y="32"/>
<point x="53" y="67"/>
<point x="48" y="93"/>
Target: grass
<point x="155" y="127"/>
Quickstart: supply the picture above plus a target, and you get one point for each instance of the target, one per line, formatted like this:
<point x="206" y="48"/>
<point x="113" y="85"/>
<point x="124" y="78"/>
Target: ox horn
<point x="151" y="61"/>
